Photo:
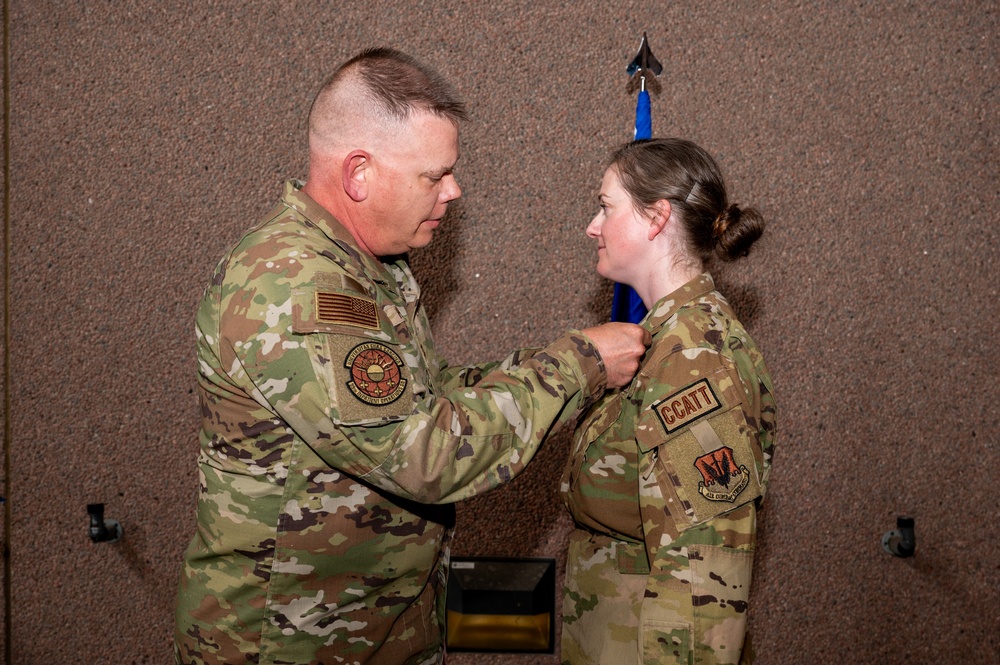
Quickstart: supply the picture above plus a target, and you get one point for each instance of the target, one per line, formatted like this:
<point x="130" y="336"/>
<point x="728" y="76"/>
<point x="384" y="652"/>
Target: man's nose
<point x="451" y="189"/>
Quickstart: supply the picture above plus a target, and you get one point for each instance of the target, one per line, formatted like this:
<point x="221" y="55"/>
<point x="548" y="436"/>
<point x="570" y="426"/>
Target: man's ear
<point x="355" y="171"/>
<point x="661" y="215"/>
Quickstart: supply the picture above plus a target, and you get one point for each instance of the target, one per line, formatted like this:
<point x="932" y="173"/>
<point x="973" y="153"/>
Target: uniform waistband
<point x="632" y="559"/>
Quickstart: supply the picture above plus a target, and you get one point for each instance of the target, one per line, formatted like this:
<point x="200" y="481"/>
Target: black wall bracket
<point x="902" y="541"/>
<point x="102" y="530"/>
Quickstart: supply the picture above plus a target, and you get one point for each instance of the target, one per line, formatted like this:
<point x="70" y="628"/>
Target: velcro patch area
<point x="686" y="406"/>
<point x="369" y="381"/>
<point x="710" y="467"/>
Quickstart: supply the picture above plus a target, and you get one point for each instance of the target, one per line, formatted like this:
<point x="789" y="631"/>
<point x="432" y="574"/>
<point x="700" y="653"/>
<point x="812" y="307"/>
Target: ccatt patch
<point x="686" y="406"/>
<point x="376" y="376"/>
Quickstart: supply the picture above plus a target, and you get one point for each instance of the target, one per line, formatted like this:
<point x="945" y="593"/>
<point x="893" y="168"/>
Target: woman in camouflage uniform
<point x="665" y="476"/>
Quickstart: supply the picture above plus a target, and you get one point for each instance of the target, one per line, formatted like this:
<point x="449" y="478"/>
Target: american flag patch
<point x="346" y="310"/>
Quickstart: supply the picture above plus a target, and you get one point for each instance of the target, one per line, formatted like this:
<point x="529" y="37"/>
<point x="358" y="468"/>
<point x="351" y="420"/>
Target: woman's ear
<point x="661" y="215"/>
<point x="355" y="171"/>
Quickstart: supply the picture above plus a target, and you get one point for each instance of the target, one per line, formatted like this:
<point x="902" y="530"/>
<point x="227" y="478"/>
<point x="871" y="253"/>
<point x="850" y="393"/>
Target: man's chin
<point x="422" y="239"/>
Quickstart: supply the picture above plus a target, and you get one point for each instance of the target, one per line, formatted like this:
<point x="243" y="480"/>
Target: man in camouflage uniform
<point x="332" y="432"/>
<point x="663" y="483"/>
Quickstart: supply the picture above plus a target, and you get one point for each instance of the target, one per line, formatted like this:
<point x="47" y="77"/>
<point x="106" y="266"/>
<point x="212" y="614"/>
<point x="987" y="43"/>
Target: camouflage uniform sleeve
<point x="472" y="439"/>
<point x="454" y="377"/>
<point x="357" y="394"/>
<point x="464" y="377"/>
<point x="696" y="440"/>
<point x="700" y="471"/>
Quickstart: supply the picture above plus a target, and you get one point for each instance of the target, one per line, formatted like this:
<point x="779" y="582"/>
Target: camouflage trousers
<point x="615" y="612"/>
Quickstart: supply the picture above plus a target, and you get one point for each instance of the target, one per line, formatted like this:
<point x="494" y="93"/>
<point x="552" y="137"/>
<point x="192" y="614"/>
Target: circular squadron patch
<point x="376" y="376"/>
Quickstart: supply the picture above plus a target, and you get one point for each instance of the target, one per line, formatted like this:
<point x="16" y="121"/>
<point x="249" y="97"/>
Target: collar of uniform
<point x="668" y="305"/>
<point x="304" y="204"/>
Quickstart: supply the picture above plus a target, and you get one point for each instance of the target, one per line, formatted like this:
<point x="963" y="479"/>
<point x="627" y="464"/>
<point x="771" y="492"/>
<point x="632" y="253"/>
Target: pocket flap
<point x="709" y="465"/>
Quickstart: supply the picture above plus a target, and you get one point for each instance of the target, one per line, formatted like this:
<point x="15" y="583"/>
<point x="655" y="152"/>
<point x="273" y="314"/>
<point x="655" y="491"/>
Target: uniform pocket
<point x="363" y="366"/>
<point x="720" y="593"/>
<point x="709" y="466"/>
<point x="369" y="381"/>
<point x="665" y="642"/>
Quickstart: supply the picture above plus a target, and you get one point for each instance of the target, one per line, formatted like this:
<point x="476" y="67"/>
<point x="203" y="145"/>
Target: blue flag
<point x="625" y="304"/>
<point x="643" y="117"/>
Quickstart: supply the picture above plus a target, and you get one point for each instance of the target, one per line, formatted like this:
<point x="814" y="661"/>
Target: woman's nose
<point x="594" y="228"/>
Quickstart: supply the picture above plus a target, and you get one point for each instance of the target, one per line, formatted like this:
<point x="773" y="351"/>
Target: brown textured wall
<point x="4" y="513"/>
<point x="146" y="135"/>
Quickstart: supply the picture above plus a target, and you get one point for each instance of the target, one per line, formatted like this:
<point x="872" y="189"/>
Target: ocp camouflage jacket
<point x="663" y="484"/>
<point x="329" y="426"/>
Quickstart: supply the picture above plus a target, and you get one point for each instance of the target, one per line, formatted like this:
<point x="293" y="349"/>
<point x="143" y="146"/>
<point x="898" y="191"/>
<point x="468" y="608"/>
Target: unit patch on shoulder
<point x="722" y="479"/>
<point x="686" y="406"/>
<point x="376" y="376"/>
<point x="346" y="309"/>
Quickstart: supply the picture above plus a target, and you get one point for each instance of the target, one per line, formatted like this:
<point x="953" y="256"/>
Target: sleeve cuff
<point x="577" y="352"/>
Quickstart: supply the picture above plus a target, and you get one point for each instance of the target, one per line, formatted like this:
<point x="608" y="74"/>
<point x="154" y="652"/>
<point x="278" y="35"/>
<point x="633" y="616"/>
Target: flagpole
<point x="625" y="302"/>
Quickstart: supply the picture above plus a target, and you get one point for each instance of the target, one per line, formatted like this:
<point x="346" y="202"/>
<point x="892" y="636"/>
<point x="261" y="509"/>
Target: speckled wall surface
<point x="3" y="423"/>
<point x="145" y="136"/>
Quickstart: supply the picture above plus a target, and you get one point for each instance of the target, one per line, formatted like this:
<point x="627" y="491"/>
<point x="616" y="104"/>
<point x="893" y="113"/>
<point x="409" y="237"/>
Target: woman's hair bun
<point x="735" y="230"/>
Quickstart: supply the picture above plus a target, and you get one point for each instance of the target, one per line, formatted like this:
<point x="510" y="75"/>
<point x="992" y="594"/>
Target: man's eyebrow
<point x="439" y="173"/>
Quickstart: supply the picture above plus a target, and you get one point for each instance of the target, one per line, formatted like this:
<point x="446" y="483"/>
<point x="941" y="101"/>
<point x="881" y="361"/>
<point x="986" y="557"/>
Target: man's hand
<point x="621" y="346"/>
